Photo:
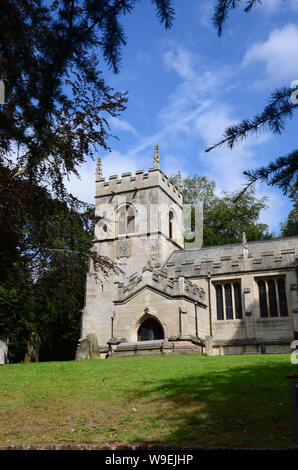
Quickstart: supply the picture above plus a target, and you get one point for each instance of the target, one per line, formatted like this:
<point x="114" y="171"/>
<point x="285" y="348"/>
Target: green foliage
<point x="14" y="318"/>
<point x="58" y="304"/>
<point x="198" y="189"/>
<point x="57" y="103"/>
<point x="43" y="259"/>
<point x="224" y="220"/>
<point x="290" y="226"/>
<point x="55" y="116"/>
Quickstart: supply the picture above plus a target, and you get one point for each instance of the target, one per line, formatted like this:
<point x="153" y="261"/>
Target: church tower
<point x="140" y="224"/>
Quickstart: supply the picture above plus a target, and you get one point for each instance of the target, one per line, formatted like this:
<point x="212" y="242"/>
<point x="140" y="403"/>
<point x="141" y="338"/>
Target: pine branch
<point x="165" y="12"/>
<point x="250" y="4"/>
<point x="283" y="173"/>
<point x="273" y="117"/>
<point x="221" y="13"/>
<point x="113" y="36"/>
<point x="223" y="9"/>
<point x="57" y="250"/>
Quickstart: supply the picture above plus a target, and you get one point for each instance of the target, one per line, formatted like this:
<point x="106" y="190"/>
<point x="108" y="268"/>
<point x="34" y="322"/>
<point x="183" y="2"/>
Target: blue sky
<point x="186" y="86"/>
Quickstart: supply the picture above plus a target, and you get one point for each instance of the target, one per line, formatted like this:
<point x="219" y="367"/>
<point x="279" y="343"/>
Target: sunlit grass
<point x="229" y="400"/>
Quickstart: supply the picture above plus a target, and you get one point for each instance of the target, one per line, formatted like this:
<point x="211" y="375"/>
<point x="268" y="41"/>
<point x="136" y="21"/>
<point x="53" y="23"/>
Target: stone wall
<point x="177" y="316"/>
<point x="230" y="263"/>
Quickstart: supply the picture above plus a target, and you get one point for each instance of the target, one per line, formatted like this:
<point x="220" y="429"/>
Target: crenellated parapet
<point x="140" y="180"/>
<point x="159" y="280"/>
<point x="228" y="259"/>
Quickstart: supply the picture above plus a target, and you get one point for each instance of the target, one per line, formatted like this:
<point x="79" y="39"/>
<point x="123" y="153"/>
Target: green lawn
<point x="222" y="401"/>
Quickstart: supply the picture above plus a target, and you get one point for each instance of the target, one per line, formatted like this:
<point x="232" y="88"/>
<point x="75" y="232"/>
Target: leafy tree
<point x="14" y="317"/>
<point x="223" y="220"/>
<point x="290" y="226"/>
<point x="58" y="300"/>
<point x="57" y="102"/>
<point x="55" y="116"/>
<point x="283" y="171"/>
<point x="43" y="262"/>
<point x="197" y="189"/>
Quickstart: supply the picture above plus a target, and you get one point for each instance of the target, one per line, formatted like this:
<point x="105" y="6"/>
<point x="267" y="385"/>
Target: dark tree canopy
<point x="56" y="115"/>
<point x="57" y="102"/>
<point x="44" y="251"/>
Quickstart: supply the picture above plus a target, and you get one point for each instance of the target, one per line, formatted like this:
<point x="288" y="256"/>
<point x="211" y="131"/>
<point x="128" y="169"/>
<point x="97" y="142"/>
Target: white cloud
<point x="205" y="11"/>
<point x="182" y="61"/>
<point x="194" y="110"/>
<point x="196" y="91"/>
<point x="144" y="58"/>
<point x="113" y="163"/>
<point x="275" y="6"/>
<point x="276" y="206"/>
<point x="213" y="122"/>
<point x="271" y="6"/>
<point x="223" y="165"/>
<point x="278" y="55"/>
<point x="122" y="125"/>
<point x="116" y="163"/>
<point x="84" y="187"/>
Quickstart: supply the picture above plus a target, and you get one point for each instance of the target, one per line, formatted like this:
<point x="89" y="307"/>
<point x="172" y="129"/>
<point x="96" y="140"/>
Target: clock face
<point x="123" y="249"/>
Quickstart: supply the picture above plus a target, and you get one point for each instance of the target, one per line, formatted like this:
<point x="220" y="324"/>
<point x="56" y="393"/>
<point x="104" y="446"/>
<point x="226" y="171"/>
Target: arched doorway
<point x="150" y="329"/>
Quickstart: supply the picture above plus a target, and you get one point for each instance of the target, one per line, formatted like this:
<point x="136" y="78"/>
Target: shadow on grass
<point x="246" y="405"/>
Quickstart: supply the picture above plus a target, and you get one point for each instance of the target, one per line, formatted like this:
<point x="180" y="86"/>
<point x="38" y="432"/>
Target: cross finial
<point x="98" y="168"/>
<point x="156" y="156"/>
<point x="244" y="245"/>
<point x="244" y="240"/>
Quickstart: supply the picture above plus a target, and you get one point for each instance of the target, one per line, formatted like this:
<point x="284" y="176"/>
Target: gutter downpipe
<point x="209" y="301"/>
<point x="196" y="316"/>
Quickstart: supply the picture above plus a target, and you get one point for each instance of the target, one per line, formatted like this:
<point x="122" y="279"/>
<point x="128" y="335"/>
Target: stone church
<point x="227" y="299"/>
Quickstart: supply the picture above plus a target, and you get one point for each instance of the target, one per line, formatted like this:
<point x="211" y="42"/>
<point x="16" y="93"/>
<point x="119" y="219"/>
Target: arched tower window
<point x="126" y="220"/>
<point x="122" y="220"/>
<point x="171" y="223"/>
<point x="130" y="219"/>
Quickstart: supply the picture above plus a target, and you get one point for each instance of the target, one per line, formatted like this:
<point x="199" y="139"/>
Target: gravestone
<point x="3" y="350"/>
<point x="209" y="345"/>
<point x="94" y="349"/>
<point x="33" y="345"/>
<point x="83" y="350"/>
